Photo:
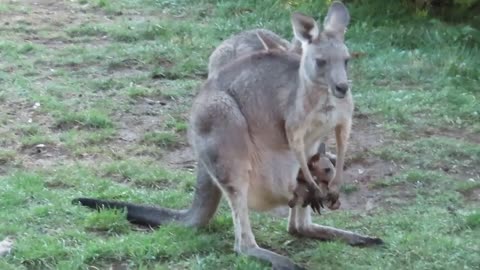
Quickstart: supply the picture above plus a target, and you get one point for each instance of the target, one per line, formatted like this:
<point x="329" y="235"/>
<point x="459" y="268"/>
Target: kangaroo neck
<point x="308" y="94"/>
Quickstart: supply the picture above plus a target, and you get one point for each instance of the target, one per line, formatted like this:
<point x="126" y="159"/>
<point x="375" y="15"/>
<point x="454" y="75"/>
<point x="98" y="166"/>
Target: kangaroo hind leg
<point x="205" y="201"/>
<point x="225" y="153"/>
<point x="232" y="177"/>
<point x="301" y="224"/>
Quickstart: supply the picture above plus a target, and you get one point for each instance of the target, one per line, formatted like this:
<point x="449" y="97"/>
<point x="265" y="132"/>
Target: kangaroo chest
<point x="322" y="120"/>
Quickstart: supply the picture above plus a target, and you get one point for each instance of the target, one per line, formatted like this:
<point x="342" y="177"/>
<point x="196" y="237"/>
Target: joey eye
<point x="321" y="63"/>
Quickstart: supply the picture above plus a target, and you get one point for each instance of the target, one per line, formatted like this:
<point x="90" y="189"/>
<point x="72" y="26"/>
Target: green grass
<point x="81" y="142"/>
<point x="473" y="220"/>
<point x="349" y="188"/>
<point x="163" y="139"/>
<point x="7" y="156"/>
<point x="115" y="82"/>
<point x="89" y="119"/>
<point x="147" y="173"/>
<point x="434" y="153"/>
<point x="138" y="91"/>
<point x="29" y="129"/>
<point x="113" y="222"/>
<point x="467" y="186"/>
<point x="34" y="140"/>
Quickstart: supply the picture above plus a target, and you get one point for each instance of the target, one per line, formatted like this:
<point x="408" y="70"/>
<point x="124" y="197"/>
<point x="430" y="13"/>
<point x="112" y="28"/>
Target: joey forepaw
<point x="333" y="202"/>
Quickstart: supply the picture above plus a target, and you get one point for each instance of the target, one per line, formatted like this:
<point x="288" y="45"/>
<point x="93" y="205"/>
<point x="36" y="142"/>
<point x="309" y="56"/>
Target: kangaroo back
<point x="242" y="44"/>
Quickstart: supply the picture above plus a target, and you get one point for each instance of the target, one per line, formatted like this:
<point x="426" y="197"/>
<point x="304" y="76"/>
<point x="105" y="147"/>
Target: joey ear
<point x="305" y="28"/>
<point x="314" y="158"/>
<point x="322" y="149"/>
<point x="337" y="20"/>
<point x="268" y="43"/>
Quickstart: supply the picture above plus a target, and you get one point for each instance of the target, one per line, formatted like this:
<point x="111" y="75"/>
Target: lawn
<point x="94" y="101"/>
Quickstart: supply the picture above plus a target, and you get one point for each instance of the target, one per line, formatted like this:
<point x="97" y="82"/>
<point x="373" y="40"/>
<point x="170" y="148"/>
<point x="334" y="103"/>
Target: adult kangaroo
<point x="250" y="41"/>
<point x="250" y="123"/>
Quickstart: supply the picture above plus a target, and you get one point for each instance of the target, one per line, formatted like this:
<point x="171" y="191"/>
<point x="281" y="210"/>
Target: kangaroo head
<point x="321" y="167"/>
<point x="324" y="54"/>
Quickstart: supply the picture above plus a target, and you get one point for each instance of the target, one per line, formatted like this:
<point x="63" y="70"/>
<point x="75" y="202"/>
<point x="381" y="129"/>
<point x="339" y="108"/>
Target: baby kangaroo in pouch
<point x="254" y="124"/>
<point x="323" y="171"/>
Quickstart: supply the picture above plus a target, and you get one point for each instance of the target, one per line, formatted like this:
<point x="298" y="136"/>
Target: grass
<point x="34" y="140"/>
<point x="88" y="119"/>
<point x="146" y="173"/>
<point x="163" y="139"/>
<point x="138" y="91"/>
<point x="473" y="220"/>
<point x="349" y="188"/>
<point x="111" y="89"/>
<point x="29" y="129"/>
<point x="7" y="156"/>
<point x="437" y="153"/>
<point x="79" y="141"/>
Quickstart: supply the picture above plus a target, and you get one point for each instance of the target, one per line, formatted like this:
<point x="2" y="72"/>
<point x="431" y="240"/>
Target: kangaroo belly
<point x="273" y="180"/>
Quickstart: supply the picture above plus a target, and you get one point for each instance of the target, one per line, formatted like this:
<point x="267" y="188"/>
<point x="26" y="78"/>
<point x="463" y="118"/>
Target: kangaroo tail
<point x="205" y="203"/>
<point x="137" y="214"/>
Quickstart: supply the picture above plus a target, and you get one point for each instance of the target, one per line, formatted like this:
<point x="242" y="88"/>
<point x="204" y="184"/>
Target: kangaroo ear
<point x="314" y="158"/>
<point x="321" y="149"/>
<point x="268" y="43"/>
<point x="305" y="28"/>
<point x="337" y="20"/>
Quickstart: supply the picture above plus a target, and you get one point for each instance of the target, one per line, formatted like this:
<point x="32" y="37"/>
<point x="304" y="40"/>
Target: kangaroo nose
<point x="342" y="88"/>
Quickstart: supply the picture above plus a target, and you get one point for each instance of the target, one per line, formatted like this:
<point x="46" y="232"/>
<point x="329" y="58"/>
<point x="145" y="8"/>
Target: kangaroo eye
<point x="321" y="62"/>
<point x="346" y="62"/>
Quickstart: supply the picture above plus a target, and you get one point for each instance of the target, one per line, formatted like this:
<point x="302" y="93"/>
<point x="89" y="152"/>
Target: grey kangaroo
<point x="253" y="125"/>
<point x="247" y="42"/>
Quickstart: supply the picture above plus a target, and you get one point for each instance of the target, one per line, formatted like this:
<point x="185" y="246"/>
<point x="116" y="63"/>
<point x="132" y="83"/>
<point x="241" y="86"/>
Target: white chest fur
<point x="322" y="120"/>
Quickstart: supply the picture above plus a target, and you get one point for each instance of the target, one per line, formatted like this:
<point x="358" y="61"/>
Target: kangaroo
<point x="252" y="127"/>
<point x="250" y="41"/>
<point x="323" y="170"/>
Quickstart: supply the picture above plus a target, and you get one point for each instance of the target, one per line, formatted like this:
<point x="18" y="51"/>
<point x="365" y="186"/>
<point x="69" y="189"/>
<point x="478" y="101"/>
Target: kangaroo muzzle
<point x="340" y="90"/>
